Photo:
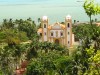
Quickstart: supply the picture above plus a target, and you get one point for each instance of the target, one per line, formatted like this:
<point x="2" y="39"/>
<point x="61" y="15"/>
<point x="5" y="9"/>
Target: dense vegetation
<point x="19" y="42"/>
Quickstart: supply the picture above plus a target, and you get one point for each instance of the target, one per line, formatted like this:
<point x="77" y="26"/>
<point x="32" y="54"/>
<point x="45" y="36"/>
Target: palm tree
<point x="39" y="20"/>
<point x="11" y="24"/>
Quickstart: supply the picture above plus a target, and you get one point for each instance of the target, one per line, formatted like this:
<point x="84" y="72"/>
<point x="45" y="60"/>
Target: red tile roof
<point x="24" y="64"/>
<point x="21" y="70"/>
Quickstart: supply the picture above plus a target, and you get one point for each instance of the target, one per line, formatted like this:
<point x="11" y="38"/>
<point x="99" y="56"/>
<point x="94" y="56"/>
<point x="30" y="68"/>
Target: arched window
<point x="68" y="25"/>
<point x="44" y="25"/>
<point x="68" y="42"/>
<point x="61" y="33"/>
<point x="40" y="34"/>
<point x="51" y="33"/>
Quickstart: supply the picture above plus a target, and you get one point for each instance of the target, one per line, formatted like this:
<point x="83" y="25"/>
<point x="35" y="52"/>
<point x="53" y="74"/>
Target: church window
<point x="40" y="34"/>
<point x="44" y="25"/>
<point x="68" y="33"/>
<point x="61" y="33"/>
<point x="68" y="25"/>
<point x="52" y="34"/>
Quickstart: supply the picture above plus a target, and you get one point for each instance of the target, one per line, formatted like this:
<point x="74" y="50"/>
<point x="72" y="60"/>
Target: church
<point x="57" y="32"/>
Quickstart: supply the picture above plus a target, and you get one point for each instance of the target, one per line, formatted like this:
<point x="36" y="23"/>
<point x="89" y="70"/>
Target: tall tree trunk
<point x="90" y="21"/>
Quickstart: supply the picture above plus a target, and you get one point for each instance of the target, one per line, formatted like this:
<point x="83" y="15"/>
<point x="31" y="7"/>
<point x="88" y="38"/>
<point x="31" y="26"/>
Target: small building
<point x="57" y="32"/>
<point x="98" y="24"/>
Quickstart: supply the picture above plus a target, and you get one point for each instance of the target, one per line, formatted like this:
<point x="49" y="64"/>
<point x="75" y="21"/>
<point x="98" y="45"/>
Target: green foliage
<point x="82" y="31"/>
<point x="86" y="61"/>
<point x="52" y="46"/>
<point x="86" y="58"/>
<point x="10" y="58"/>
<point x="43" y="58"/>
<point x="91" y="8"/>
<point x="14" y="33"/>
<point x="64" y="65"/>
<point x="27" y="26"/>
<point x="88" y="35"/>
<point x="21" y="29"/>
<point x="12" y="37"/>
<point x="31" y="53"/>
<point x="50" y="64"/>
<point x="1" y="72"/>
<point x="7" y="24"/>
<point x="35" y="68"/>
<point x="45" y="47"/>
<point x="94" y="62"/>
<point x="48" y="58"/>
<point x="6" y="60"/>
<point x="2" y="36"/>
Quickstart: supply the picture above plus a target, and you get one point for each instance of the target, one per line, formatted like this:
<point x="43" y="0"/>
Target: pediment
<point x="56" y="26"/>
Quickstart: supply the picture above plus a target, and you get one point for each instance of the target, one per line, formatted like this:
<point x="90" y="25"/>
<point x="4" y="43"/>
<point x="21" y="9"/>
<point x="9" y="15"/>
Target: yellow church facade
<point x="57" y="32"/>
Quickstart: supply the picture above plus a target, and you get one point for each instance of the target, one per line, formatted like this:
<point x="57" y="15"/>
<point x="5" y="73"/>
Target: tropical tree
<point x="8" y="23"/>
<point x="27" y="26"/>
<point x="11" y="58"/>
<point x="39" y="19"/>
<point x="94" y="62"/>
<point x="84" y="34"/>
<point x="96" y="37"/>
<point x="50" y="63"/>
<point x="91" y="9"/>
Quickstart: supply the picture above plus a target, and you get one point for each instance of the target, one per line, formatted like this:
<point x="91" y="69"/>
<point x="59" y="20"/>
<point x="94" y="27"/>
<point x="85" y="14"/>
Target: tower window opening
<point x="45" y="33"/>
<point x="68" y="42"/>
<point x="44" y="25"/>
<point x="68" y="33"/>
<point x="68" y="25"/>
<point x="52" y="34"/>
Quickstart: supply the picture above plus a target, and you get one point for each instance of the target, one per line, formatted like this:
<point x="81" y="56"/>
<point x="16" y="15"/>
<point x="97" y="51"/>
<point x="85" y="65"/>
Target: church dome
<point x="44" y="18"/>
<point x="68" y="17"/>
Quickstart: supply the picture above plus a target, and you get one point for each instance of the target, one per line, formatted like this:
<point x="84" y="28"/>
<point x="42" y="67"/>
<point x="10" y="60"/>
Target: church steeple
<point x="44" y="22"/>
<point x="68" y="23"/>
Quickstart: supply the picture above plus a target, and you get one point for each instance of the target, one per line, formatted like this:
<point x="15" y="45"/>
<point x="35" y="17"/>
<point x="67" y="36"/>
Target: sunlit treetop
<point x="91" y="7"/>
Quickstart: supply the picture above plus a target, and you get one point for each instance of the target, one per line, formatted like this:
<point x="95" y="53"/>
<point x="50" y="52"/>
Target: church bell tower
<point x="44" y="22"/>
<point x="68" y="23"/>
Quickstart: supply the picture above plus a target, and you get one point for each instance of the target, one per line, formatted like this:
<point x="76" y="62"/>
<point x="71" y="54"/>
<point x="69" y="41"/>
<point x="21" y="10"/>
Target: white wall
<point x="73" y="39"/>
<point x="68" y="37"/>
<point x="54" y="33"/>
<point x="45" y="36"/>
